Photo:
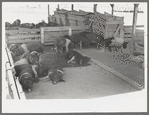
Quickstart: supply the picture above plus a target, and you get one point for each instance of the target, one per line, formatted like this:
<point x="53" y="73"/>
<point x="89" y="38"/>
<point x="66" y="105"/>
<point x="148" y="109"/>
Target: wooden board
<point x="22" y="30"/>
<point x="15" y="85"/>
<point x="22" y="41"/>
<point x="62" y="28"/>
<point x="24" y="36"/>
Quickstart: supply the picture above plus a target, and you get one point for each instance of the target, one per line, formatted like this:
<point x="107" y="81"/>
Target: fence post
<point x="42" y="35"/>
<point x="70" y="32"/>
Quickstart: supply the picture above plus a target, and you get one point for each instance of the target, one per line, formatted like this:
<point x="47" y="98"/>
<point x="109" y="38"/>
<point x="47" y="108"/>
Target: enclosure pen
<point x="73" y="22"/>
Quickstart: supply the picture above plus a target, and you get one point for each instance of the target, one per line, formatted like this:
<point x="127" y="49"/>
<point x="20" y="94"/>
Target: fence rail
<point x="139" y="38"/>
<point x="23" y="35"/>
<point x="46" y="35"/>
<point x="13" y="83"/>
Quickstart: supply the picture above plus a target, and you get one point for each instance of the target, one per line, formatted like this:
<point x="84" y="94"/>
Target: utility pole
<point x="72" y="7"/>
<point x="95" y="8"/>
<point x="112" y="5"/>
<point x="58" y="7"/>
<point x="48" y="14"/>
<point x="134" y="27"/>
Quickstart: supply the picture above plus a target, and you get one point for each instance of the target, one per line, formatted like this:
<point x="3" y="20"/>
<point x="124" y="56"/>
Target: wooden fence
<point x="48" y="35"/>
<point x="128" y="31"/>
<point x="22" y="35"/>
<point x="13" y="86"/>
<point x="139" y="38"/>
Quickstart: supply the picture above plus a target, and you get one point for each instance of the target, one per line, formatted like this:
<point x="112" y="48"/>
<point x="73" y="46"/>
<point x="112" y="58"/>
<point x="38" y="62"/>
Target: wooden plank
<point x="50" y="38"/>
<point x="55" y="28"/>
<point x="54" y="35"/>
<point x="70" y="32"/>
<point x="137" y="26"/>
<point x="20" y="34"/>
<point x="9" y="57"/>
<point x="106" y="33"/>
<point x="62" y="28"/>
<point x="22" y="41"/>
<point x="121" y="31"/>
<point x="138" y="46"/>
<point x="132" y="82"/>
<point x="24" y="36"/>
<point x="12" y="83"/>
<point x="10" y="75"/>
<point x="51" y="43"/>
<point x="17" y="85"/>
<point x="115" y="22"/>
<point x="20" y="90"/>
<point x="22" y="30"/>
<point x="42" y="35"/>
<point x="127" y="35"/>
<point x="116" y="31"/>
<point x="5" y="88"/>
<point x="127" y="31"/>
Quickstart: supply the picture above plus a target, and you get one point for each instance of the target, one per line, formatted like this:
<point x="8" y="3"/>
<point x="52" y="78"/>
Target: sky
<point x="34" y="12"/>
<point x="86" y="6"/>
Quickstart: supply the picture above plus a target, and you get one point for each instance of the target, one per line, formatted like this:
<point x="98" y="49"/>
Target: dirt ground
<point x="118" y="61"/>
<point x="82" y="83"/>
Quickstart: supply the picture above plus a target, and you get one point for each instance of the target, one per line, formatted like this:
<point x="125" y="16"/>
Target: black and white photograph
<point x="68" y="57"/>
